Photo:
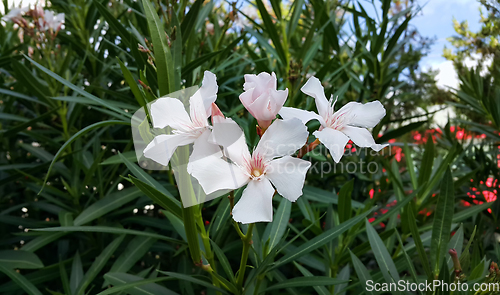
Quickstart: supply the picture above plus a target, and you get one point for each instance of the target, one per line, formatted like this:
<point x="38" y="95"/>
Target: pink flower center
<point x="337" y="121"/>
<point x="256" y="167"/>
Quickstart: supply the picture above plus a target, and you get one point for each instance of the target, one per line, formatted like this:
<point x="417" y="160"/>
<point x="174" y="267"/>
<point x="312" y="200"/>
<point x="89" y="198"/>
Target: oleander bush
<point x="80" y="215"/>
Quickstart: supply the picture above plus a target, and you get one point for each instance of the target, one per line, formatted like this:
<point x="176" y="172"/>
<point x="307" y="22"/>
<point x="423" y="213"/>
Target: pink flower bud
<point x="262" y="99"/>
<point x="217" y="115"/>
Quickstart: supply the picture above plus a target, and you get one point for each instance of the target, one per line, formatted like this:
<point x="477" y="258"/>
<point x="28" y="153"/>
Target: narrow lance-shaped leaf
<point x="344" y="208"/>
<point x="321" y="239"/>
<point x="163" y="56"/>
<point x="383" y="257"/>
<point x="442" y="222"/>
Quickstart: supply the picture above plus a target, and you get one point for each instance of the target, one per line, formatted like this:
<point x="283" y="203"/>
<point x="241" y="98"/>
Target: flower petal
<point x="314" y="89"/>
<point x="303" y="115"/>
<point x="288" y="175"/>
<point x="282" y="138"/>
<point x="256" y="203"/>
<point x="246" y="97"/>
<point x="362" y="137"/>
<point x="261" y="108"/>
<point x="364" y="115"/>
<point x="230" y="136"/>
<point x="204" y="147"/>
<point x="207" y="93"/>
<point x="167" y="111"/>
<point x="334" y="141"/>
<point x="163" y="146"/>
<point x="278" y="98"/>
<point x="214" y="174"/>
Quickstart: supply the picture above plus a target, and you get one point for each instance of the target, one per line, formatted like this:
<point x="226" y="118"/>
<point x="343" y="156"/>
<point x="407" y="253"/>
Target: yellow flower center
<point x="256" y="172"/>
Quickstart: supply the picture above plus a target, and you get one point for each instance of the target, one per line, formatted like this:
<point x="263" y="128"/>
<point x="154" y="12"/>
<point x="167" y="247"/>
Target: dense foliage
<point x="79" y="216"/>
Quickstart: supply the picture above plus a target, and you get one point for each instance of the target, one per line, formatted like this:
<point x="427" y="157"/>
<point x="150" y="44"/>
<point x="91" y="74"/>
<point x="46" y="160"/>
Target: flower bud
<point x="262" y="99"/>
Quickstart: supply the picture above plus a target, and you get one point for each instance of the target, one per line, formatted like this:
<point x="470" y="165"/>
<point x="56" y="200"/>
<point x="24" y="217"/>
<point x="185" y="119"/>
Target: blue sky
<point x="436" y="20"/>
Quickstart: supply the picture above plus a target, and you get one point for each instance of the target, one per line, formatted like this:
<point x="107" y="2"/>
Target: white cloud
<point x="447" y="76"/>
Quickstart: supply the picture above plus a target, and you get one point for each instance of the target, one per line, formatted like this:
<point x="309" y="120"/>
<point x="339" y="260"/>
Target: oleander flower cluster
<point x="221" y="160"/>
<point x="37" y="22"/>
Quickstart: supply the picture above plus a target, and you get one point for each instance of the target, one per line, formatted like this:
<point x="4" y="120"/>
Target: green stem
<point x="247" y="243"/>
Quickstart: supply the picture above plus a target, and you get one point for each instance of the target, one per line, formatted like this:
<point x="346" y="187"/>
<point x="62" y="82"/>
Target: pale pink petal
<point x="314" y="89"/>
<point x="207" y="92"/>
<point x="278" y="98"/>
<point x="288" y="175"/>
<point x="214" y="174"/>
<point x="217" y="115"/>
<point x="261" y="108"/>
<point x="256" y="203"/>
<point x="197" y="110"/>
<point x="303" y="115"/>
<point x="231" y="137"/>
<point x="273" y="82"/>
<point x="246" y="97"/>
<point x="204" y="147"/>
<point x="163" y="146"/>
<point x="362" y="137"/>
<point x="363" y="115"/>
<point x="167" y="111"/>
<point x="282" y="138"/>
<point x="334" y="141"/>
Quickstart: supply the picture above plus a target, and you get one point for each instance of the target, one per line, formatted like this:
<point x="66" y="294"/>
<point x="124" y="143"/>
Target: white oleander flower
<point x="349" y="122"/>
<point x="186" y="129"/>
<point x="269" y="165"/>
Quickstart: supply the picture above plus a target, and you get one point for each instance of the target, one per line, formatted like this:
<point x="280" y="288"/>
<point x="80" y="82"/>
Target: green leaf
<point x="193" y="280"/>
<point x="306" y="282"/>
<point x="127" y="75"/>
<point x="345" y="198"/>
<point x="442" y="222"/>
<point x="319" y="289"/>
<point x="465" y="257"/>
<point x="76" y="136"/>
<point x="410" y="166"/>
<point x="273" y="33"/>
<point x="125" y="282"/>
<point x="457" y="243"/>
<point x="107" y="204"/>
<point x="135" y="285"/>
<point x="20" y="280"/>
<point x="188" y="24"/>
<point x="106" y="229"/>
<point x="136" y="249"/>
<point x="41" y="241"/>
<point x="78" y="89"/>
<point x="19" y="259"/>
<point x="427" y="162"/>
<point x="418" y="241"/>
<point x="163" y="57"/>
<point x="408" y="259"/>
<point x="276" y="229"/>
<point x="138" y="172"/>
<point x="32" y="83"/>
<point x="223" y="261"/>
<point x="362" y="272"/>
<point x="76" y="277"/>
<point x="116" y="159"/>
<point x="321" y="239"/>
<point x="396" y="133"/>
<point x="444" y="278"/>
<point x="158" y="197"/>
<point x="98" y="264"/>
<point x="383" y="257"/>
